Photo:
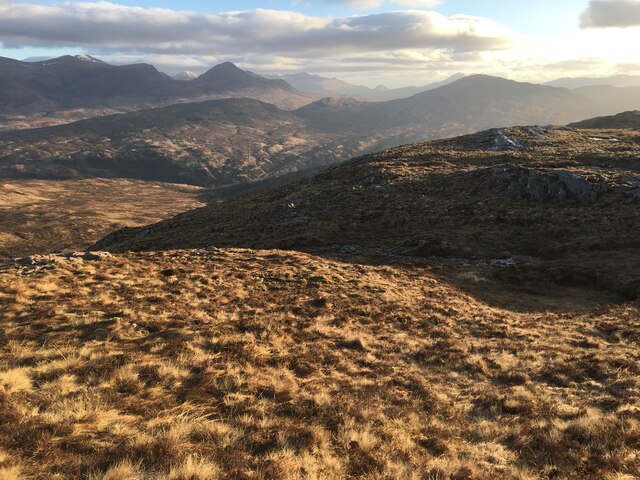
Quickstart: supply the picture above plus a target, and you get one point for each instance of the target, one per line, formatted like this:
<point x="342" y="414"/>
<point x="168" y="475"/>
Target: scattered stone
<point x="537" y="131"/>
<point x="584" y="190"/>
<point x="503" y="262"/>
<point x="541" y="185"/>
<point x="96" y="256"/>
<point x="26" y="261"/>
<point x="503" y="141"/>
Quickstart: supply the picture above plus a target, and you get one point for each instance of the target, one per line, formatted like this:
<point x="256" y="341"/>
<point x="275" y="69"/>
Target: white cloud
<point x="611" y="13"/>
<point x="396" y="48"/>
<point x="418" y="3"/>
<point x="110" y="26"/>
<point x="377" y="3"/>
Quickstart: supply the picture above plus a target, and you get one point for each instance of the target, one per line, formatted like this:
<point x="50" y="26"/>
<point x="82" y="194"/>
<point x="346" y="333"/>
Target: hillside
<point x="206" y="143"/>
<point x="73" y="82"/>
<point x="547" y="199"/>
<point x="621" y="120"/>
<point x="470" y="104"/>
<point x="272" y="365"/>
<point x="465" y="309"/>
<point x="239" y="140"/>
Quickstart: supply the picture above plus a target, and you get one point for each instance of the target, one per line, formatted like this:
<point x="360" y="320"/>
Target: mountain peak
<point x="226" y="67"/>
<point x="186" y="75"/>
<point x="225" y="72"/>
<point x="84" y="57"/>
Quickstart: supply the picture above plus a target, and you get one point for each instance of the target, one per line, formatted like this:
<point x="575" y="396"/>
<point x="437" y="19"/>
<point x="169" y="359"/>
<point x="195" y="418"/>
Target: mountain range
<point x="81" y="81"/>
<point x="467" y="105"/>
<point x="320" y="85"/>
<point x="222" y="142"/>
<point x="621" y="80"/>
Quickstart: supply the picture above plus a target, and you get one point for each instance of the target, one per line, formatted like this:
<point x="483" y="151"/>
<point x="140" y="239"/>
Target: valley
<point x="42" y="216"/>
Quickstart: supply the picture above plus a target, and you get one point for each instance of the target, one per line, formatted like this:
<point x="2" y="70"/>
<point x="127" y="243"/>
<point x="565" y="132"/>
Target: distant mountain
<point x="621" y="120"/>
<point x="186" y="75"/>
<point x="614" y="81"/>
<point x="470" y="104"/>
<point x="333" y="87"/>
<point x="215" y="142"/>
<point x="404" y="92"/>
<point x="81" y="81"/>
<point x="612" y="99"/>
<point x="76" y="81"/>
<point x="240" y="140"/>
<point x="317" y="84"/>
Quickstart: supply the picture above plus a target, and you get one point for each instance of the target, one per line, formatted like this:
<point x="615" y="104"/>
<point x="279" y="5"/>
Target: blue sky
<point x="395" y="42"/>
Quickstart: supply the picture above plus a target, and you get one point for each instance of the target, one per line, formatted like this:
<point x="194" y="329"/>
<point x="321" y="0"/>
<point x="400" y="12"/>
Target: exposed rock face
<point x="37" y="261"/>
<point x="502" y="141"/>
<point x="540" y="185"/>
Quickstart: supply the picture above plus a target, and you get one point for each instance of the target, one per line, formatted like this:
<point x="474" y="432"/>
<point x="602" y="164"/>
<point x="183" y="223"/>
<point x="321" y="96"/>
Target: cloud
<point x="611" y="13"/>
<point x="112" y="27"/>
<point x="377" y="3"/>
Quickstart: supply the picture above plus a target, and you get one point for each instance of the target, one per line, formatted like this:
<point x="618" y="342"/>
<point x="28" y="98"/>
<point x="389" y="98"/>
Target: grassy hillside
<point x="208" y="364"/>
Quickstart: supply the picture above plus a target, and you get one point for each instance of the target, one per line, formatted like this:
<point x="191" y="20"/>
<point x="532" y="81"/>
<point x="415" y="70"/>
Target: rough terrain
<point x="207" y="143"/>
<point x="465" y="309"/>
<point x="245" y="364"/>
<point x="563" y="204"/>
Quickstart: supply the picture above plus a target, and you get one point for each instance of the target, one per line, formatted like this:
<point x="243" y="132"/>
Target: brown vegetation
<point x="560" y="206"/>
<point x="466" y="310"/>
<point x="239" y="364"/>
<point x="42" y="216"/>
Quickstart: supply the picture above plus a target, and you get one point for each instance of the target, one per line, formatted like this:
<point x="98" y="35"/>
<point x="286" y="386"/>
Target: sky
<point x="368" y="42"/>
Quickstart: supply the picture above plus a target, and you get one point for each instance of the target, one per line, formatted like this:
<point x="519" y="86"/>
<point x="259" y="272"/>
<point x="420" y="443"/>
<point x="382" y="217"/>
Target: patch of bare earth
<point x="204" y="364"/>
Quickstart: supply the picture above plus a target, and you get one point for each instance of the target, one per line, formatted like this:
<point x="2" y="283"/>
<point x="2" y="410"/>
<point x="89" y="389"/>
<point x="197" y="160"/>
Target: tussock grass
<point x="245" y="365"/>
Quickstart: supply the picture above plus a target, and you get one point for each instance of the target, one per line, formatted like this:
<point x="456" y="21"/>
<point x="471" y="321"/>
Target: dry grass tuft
<point x="195" y="468"/>
<point x="10" y="473"/>
<point x="15" y="380"/>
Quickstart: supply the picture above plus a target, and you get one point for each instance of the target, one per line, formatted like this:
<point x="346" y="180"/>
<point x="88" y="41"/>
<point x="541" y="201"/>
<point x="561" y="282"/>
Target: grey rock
<point x="503" y="141"/>
<point x="96" y="256"/>
<point x="633" y="197"/>
<point x="584" y="191"/>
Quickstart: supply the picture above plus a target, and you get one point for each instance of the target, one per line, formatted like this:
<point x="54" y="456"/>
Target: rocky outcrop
<point x="545" y="185"/>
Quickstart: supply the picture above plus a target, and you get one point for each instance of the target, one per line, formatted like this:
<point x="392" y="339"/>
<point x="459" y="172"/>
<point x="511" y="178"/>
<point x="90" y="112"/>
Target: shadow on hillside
<point x="575" y="284"/>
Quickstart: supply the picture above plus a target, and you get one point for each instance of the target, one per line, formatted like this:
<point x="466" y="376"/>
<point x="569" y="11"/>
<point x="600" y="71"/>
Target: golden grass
<point x="280" y="365"/>
<point x="41" y="216"/>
